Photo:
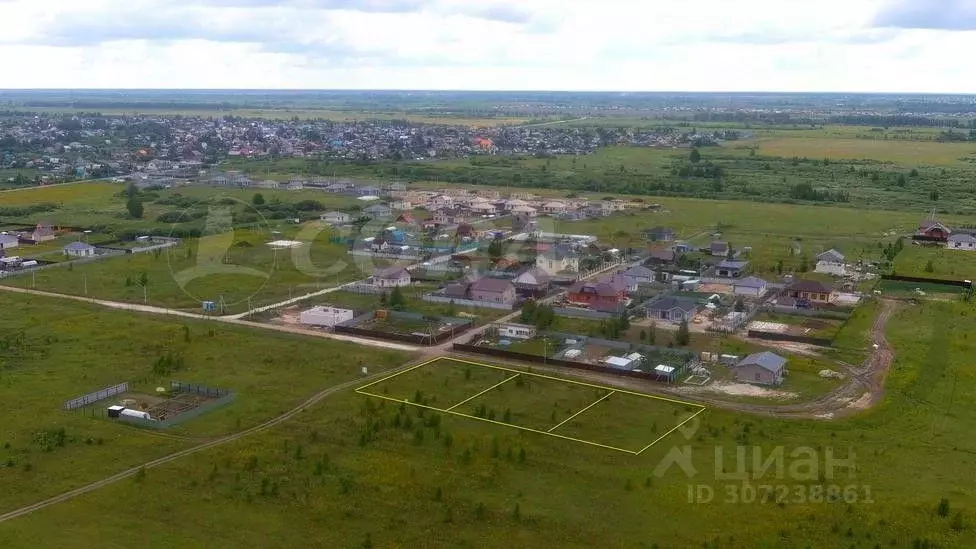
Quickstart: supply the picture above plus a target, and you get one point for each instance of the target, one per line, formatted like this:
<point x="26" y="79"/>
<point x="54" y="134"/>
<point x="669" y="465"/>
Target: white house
<point x="557" y="260"/>
<point x="516" y="331"/>
<point x="749" y="287"/>
<point x="325" y="316"/>
<point x="831" y="262"/>
<point x="961" y="241"/>
<point x="336" y="218"/>
<point x="79" y="249"/>
<point x="391" y="277"/>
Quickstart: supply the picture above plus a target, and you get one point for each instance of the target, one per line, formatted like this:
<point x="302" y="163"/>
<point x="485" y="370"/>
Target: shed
<point x="135" y="414"/>
<point x="114" y="411"/>
<point x="325" y="316"/>
<point x="618" y="362"/>
<point x="763" y="368"/>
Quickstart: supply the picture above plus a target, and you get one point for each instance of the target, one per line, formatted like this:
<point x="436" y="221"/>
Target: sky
<point x="614" y="45"/>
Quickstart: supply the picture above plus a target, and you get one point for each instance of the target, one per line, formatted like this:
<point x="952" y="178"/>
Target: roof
<point x="750" y="282"/>
<point x="602" y="289"/>
<point x="639" y="271"/>
<point x="617" y="361"/>
<point x="729" y="264"/>
<point x="391" y="273"/>
<point x="810" y="286"/>
<point x="559" y="252"/>
<point x="8" y="238"/>
<point x="831" y="256"/>
<point x="488" y="284"/>
<point x="79" y="246"/>
<point x="663" y="255"/>
<point x="533" y="275"/>
<point x="766" y="360"/>
<point x="669" y="303"/>
<point x="963" y="237"/>
<point x="659" y="230"/>
<point x="718" y="246"/>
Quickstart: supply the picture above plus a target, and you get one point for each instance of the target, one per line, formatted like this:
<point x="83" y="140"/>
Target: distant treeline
<point x="875" y="120"/>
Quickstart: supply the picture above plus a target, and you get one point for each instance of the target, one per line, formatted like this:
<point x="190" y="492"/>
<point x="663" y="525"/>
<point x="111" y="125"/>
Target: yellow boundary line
<point x="362" y="390"/>
<point x="588" y="406"/>
<point x="528" y="429"/>
<point x="499" y="384"/>
<point x="673" y="429"/>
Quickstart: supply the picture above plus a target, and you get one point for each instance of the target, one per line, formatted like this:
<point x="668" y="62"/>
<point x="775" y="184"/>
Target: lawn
<point x="812" y="327"/>
<point x="354" y="469"/>
<point x="936" y="262"/>
<point x="237" y="266"/>
<point x="897" y="151"/>
<point x="53" y="350"/>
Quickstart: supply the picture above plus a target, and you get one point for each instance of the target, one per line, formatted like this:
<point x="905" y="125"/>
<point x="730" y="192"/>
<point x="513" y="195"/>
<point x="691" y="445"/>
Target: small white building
<point x="326" y="316"/>
<point x="831" y="262"/>
<point x="336" y="218"/>
<point x="750" y="286"/>
<point x="8" y="241"/>
<point x="390" y="277"/>
<point x="516" y="331"/>
<point x="79" y="249"/>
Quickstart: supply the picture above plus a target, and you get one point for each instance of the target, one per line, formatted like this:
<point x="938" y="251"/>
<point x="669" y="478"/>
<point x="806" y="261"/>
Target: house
<point x="516" y="331"/>
<point x="8" y="241"/>
<point x="495" y="290"/>
<point x="390" y="277"/>
<point x="599" y="208"/>
<point x="514" y="203"/>
<point x="607" y="295"/>
<point x="407" y="218"/>
<point x="961" y="241"/>
<point x="378" y="211"/>
<point x="719" y="248"/>
<point x="662" y="257"/>
<point x="295" y="184"/>
<point x="79" y="249"/>
<point x="659" y="234"/>
<point x="533" y="281"/>
<point x="749" y="286"/>
<point x="558" y="259"/>
<point x="325" y="316"/>
<point x="482" y="207"/>
<point x="42" y="233"/>
<point x="809" y="291"/>
<point x="931" y="230"/>
<point x="401" y="205"/>
<point x="673" y="309"/>
<point x="763" y="368"/>
<point x="554" y="207"/>
<point x="637" y="275"/>
<point x="267" y="184"/>
<point x="831" y="262"/>
<point x="336" y="218"/>
<point x="524" y="211"/>
<point x="731" y="269"/>
<point x="465" y="230"/>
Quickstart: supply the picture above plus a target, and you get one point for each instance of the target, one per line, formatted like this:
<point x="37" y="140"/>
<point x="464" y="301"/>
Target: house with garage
<point x="731" y="268"/>
<point x="659" y="234"/>
<point x="807" y="292"/>
<point x="763" y="368"/>
<point x="495" y="290"/>
<point x="390" y="277"/>
<point x="749" y="286"/>
<point x="961" y="241"/>
<point x="831" y="262"/>
<point x="672" y="309"/>
<point x="79" y="249"/>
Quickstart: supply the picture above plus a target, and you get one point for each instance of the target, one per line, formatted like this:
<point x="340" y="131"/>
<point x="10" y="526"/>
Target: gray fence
<point x="225" y="397"/>
<point x="836" y="315"/>
<point x="90" y="398"/>
<point x="582" y="313"/>
<point x="432" y="298"/>
<point x="103" y="254"/>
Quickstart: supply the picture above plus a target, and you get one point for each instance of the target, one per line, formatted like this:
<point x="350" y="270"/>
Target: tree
<point x="495" y="250"/>
<point x="143" y="279"/>
<point x="740" y="305"/>
<point x="643" y="336"/>
<point x="695" y="156"/>
<point x="683" y="336"/>
<point x="930" y="267"/>
<point x="943" y="509"/>
<point x="651" y="334"/>
<point x="934" y="195"/>
<point x="257" y="199"/>
<point x="134" y="206"/>
<point x="397" y="301"/>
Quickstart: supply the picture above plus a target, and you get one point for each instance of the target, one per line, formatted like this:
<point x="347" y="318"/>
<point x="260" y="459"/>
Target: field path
<point x="314" y="399"/>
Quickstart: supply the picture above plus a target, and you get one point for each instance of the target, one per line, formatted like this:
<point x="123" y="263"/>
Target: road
<point x="314" y="399"/>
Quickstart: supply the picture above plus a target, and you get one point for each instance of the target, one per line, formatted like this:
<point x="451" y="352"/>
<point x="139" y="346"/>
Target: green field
<point x="54" y="350"/>
<point x="355" y="468"/>
<point x="896" y="151"/>
<point x="936" y="262"/>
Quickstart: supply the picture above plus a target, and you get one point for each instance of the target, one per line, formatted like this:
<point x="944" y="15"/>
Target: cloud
<point x="955" y="15"/>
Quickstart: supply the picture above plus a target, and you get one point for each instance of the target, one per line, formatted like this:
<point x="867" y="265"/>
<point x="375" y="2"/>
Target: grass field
<point x="355" y="469"/>
<point x="944" y="263"/>
<point x="896" y="151"/>
<point x="577" y="412"/>
<point x="54" y="350"/>
<point x="237" y="265"/>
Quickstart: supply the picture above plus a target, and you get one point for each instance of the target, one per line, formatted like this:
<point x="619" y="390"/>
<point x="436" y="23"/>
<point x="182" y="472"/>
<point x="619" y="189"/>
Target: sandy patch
<point x="862" y="403"/>
<point x="741" y="389"/>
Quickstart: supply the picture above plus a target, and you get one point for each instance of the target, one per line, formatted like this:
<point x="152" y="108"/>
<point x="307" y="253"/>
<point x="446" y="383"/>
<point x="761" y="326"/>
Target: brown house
<point x="811" y="291"/>
<point x="495" y="290"/>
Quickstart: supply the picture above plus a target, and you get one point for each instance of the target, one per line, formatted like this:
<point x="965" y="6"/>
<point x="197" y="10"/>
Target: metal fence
<point x="432" y="298"/>
<point x="224" y="397"/>
<point x="90" y="398"/>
